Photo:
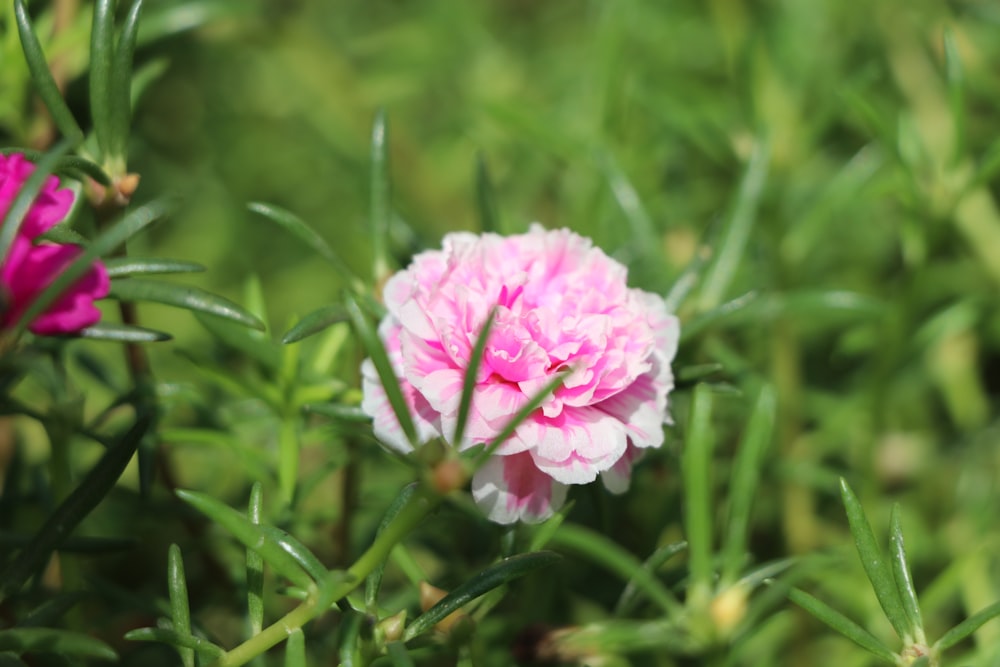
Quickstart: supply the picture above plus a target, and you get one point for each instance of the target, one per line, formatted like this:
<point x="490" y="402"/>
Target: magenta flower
<point x="28" y="268"/>
<point x="562" y="305"/>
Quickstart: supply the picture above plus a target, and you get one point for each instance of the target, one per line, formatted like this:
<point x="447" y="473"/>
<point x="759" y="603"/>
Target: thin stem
<point x="406" y="520"/>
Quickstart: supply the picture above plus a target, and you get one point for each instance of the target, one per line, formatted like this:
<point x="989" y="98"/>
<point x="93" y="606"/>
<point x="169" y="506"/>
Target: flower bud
<point x="430" y="596"/>
<point x="728" y="609"/>
<point x="391" y="628"/>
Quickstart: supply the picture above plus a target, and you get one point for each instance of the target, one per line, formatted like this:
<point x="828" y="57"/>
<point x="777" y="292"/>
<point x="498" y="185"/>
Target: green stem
<point x="288" y="458"/>
<point x="406" y="520"/>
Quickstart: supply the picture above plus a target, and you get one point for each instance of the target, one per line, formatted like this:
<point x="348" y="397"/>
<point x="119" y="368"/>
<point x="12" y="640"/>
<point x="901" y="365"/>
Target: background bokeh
<point x="858" y="141"/>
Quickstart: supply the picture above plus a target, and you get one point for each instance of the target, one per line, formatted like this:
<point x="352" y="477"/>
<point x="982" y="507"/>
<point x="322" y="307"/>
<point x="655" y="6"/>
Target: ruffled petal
<point x="575" y="446"/>
<point x="510" y="488"/>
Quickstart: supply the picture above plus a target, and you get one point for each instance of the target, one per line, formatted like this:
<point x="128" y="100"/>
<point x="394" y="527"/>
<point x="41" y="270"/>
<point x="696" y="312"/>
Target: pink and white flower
<point x="562" y="306"/>
<point x="29" y="267"/>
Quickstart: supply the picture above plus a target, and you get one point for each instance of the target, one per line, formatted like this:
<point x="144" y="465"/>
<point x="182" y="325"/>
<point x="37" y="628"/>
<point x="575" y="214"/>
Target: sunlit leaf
<point x="696" y="471"/>
<point x="878" y="570"/>
<point x="120" y="84"/>
<point x="45" y="84"/>
<point x="734" y="237"/>
<point x="178" y="639"/>
<point x="745" y="475"/>
<point x="119" y="267"/>
<point x="180" y="611"/>
<point x="251" y="535"/>
<point x="295" y="649"/>
<point x="102" y="45"/>
<point x="255" y="565"/>
<point x="302" y="231"/>
<point x="380" y="208"/>
<point x="387" y="376"/>
<point x="469" y="379"/>
<point x="967" y="627"/>
<point x="315" y="322"/>
<point x="182" y="296"/>
<point x="122" y="333"/>
<point x="489" y="216"/>
<point x="901" y="575"/>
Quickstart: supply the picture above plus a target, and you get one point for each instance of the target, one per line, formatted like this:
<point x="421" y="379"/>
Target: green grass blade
<point x="743" y="485"/>
<point x="120" y="85"/>
<point x="251" y="535"/>
<point x="543" y="532"/>
<point x="315" y="322"/>
<point x="380" y="358"/>
<point x="63" y="642"/>
<point x="74" y="165"/>
<point x="489" y="216"/>
<point x="374" y="580"/>
<point x="123" y="333"/>
<point x="381" y="210"/>
<point x="736" y="234"/>
<point x="603" y="551"/>
<point x="479" y="584"/>
<point x="875" y="565"/>
<point x="696" y="471"/>
<point x="303" y="556"/>
<point x="111" y="238"/>
<point x="955" y="77"/>
<point x="180" y="610"/>
<point x="643" y="232"/>
<point x="179" y="640"/>
<point x="119" y="267"/>
<point x="295" y="649"/>
<point x="185" y="297"/>
<point x="255" y="565"/>
<point x="632" y="593"/>
<point x="45" y="84"/>
<point x="338" y="412"/>
<point x="95" y="486"/>
<point x="685" y="283"/>
<point x="841" y="624"/>
<point x="102" y="46"/>
<point x="469" y="379"/>
<point x="967" y="627"/>
<point x="22" y="203"/>
<point x="902" y="577"/>
<point x="298" y="228"/>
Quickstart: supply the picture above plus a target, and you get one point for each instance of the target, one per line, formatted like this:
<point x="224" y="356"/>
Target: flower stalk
<point x="337" y="586"/>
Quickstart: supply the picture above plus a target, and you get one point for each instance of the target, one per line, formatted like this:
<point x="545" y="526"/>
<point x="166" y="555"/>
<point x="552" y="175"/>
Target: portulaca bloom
<point x="562" y="305"/>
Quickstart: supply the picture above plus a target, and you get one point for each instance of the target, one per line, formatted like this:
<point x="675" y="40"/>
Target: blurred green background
<point x="867" y="287"/>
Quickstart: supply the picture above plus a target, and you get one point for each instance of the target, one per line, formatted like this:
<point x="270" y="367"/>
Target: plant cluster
<point x="416" y="471"/>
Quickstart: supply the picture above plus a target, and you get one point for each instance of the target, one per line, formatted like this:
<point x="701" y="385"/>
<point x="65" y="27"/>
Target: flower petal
<point x="616" y="478"/>
<point x="511" y="488"/>
<point x="575" y="446"/>
<point x="28" y="271"/>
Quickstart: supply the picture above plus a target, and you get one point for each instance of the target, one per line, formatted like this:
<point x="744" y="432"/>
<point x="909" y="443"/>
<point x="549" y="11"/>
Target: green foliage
<point x="811" y="185"/>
